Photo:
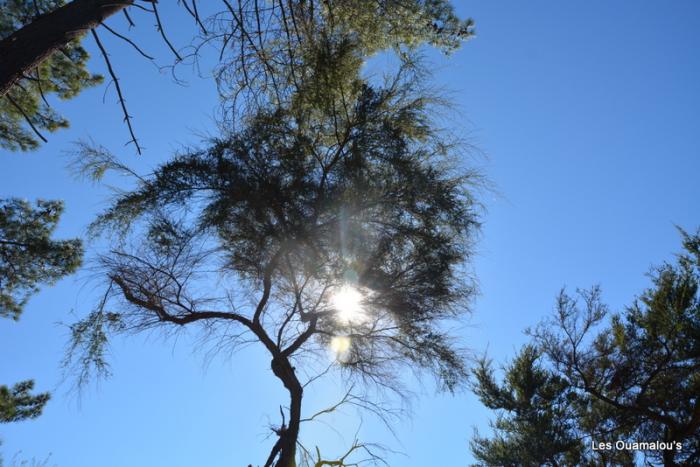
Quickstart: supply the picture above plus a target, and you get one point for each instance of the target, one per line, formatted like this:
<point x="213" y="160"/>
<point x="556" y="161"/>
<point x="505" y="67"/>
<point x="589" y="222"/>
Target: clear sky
<point x="588" y="114"/>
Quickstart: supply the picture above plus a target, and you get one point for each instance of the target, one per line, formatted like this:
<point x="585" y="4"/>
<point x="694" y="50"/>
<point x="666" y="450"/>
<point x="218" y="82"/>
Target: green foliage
<point x="286" y="38"/>
<point x="89" y="338"/>
<point x="536" y="410"/>
<point x="634" y="379"/>
<point x="287" y="210"/>
<point x="400" y="23"/>
<point x="371" y="196"/>
<point x="64" y="74"/>
<point x="315" y="48"/>
<point x="652" y="364"/>
<point x="324" y="180"/>
<point x="28" y="255"/>
<point x="18" y="404"/>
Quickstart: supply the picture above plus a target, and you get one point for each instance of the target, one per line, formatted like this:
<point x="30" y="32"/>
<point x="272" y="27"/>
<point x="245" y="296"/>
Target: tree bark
<point x="284" y="370"/>
<point x="29" y="46"/>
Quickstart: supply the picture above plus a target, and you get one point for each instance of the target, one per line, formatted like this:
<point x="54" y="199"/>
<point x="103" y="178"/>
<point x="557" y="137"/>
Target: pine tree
<point x="28" y="258"/>
<point x="24" y="106"/>
<point x="28" y="255"/>
<point x="536" y="413"/>
<point x="18" y="404"/>
<point x="633" y="379"/>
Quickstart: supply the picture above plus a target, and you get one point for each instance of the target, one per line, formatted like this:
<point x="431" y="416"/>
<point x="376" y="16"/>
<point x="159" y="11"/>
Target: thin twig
<point x="26" y="117"/>
<point x="128" y="19"/>
<point x="141" y="7"/>
<point x="40" y="87"/>
<point x="162" y="33"/>
<point x="35" y="79"/>
<point x="122" y="102"/>
<point x="195" y="14"/>
<point x="129" y="41"/>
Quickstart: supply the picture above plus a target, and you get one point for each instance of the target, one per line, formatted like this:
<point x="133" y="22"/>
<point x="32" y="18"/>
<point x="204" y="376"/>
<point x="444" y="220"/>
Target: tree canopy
<point x="25" y="110"/>
<point x="537" y="429"/>
<point x="329" y="200"/>
<point x="342" y="211"/>
<point x="28" y="255"/>
<point x="259" y="47"/>
<point x="635" y="379"/>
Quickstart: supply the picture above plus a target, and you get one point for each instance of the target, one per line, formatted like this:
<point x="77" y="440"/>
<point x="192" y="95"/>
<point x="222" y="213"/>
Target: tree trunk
<point x="283" y="369"/>
<point x="669" y="458"/>
<point x="29" y="46"/>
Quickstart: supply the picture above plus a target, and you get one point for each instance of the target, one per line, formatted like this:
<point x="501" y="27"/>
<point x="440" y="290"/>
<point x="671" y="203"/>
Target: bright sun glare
<point x="340" y="348"/>
<point x="348" y="303"/>
<point x="340" y="344"/>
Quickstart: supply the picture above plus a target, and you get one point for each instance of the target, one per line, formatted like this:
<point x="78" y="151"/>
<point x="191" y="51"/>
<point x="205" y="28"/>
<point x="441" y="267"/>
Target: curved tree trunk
<point x="29" y="46"/>
<point x="287" y="443"/>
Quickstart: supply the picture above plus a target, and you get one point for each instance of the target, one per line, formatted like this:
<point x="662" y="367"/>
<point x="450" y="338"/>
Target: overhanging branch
<point x="122" y="102"/>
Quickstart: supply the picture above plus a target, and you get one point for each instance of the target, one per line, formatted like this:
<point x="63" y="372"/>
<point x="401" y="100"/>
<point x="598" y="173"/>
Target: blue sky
<point x="588" y="117"/>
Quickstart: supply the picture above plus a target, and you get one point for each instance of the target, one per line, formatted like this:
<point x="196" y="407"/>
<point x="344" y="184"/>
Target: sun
<point x="347" y="302"/>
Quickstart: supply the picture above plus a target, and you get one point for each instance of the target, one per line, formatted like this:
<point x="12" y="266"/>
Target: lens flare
<point x="340" y="348"/>
<point x="340" y="344"/>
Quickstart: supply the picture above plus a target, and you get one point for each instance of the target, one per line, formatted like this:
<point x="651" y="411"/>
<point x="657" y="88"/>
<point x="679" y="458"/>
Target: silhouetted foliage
<point x="326" y="182"/>
<point x="636" y="379"/>
<point x="539" y="418"/>
<point x="536" y="428"/>
<point x="348" y="186"/>
<point x="259" y="46"/>
<point x="268" y="65"/>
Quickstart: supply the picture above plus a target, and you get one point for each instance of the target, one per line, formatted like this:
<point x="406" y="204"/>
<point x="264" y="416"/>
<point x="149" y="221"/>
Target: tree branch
<point x="122" y="102"/>
<point x="162" y="33"/>
<point x="163" y="315"/>
<point x="129" y="41"/>
<point x="26" y="117"/>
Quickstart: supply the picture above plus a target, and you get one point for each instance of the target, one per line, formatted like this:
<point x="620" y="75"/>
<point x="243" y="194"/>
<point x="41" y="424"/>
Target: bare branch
<point x="143" y="8"/>
<point x="195" y="14"/>
<point x="128" y="19"/>
<point x="129" y="41"/>
<point x="162" y="33"/>
<point x="122" y="102"/>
